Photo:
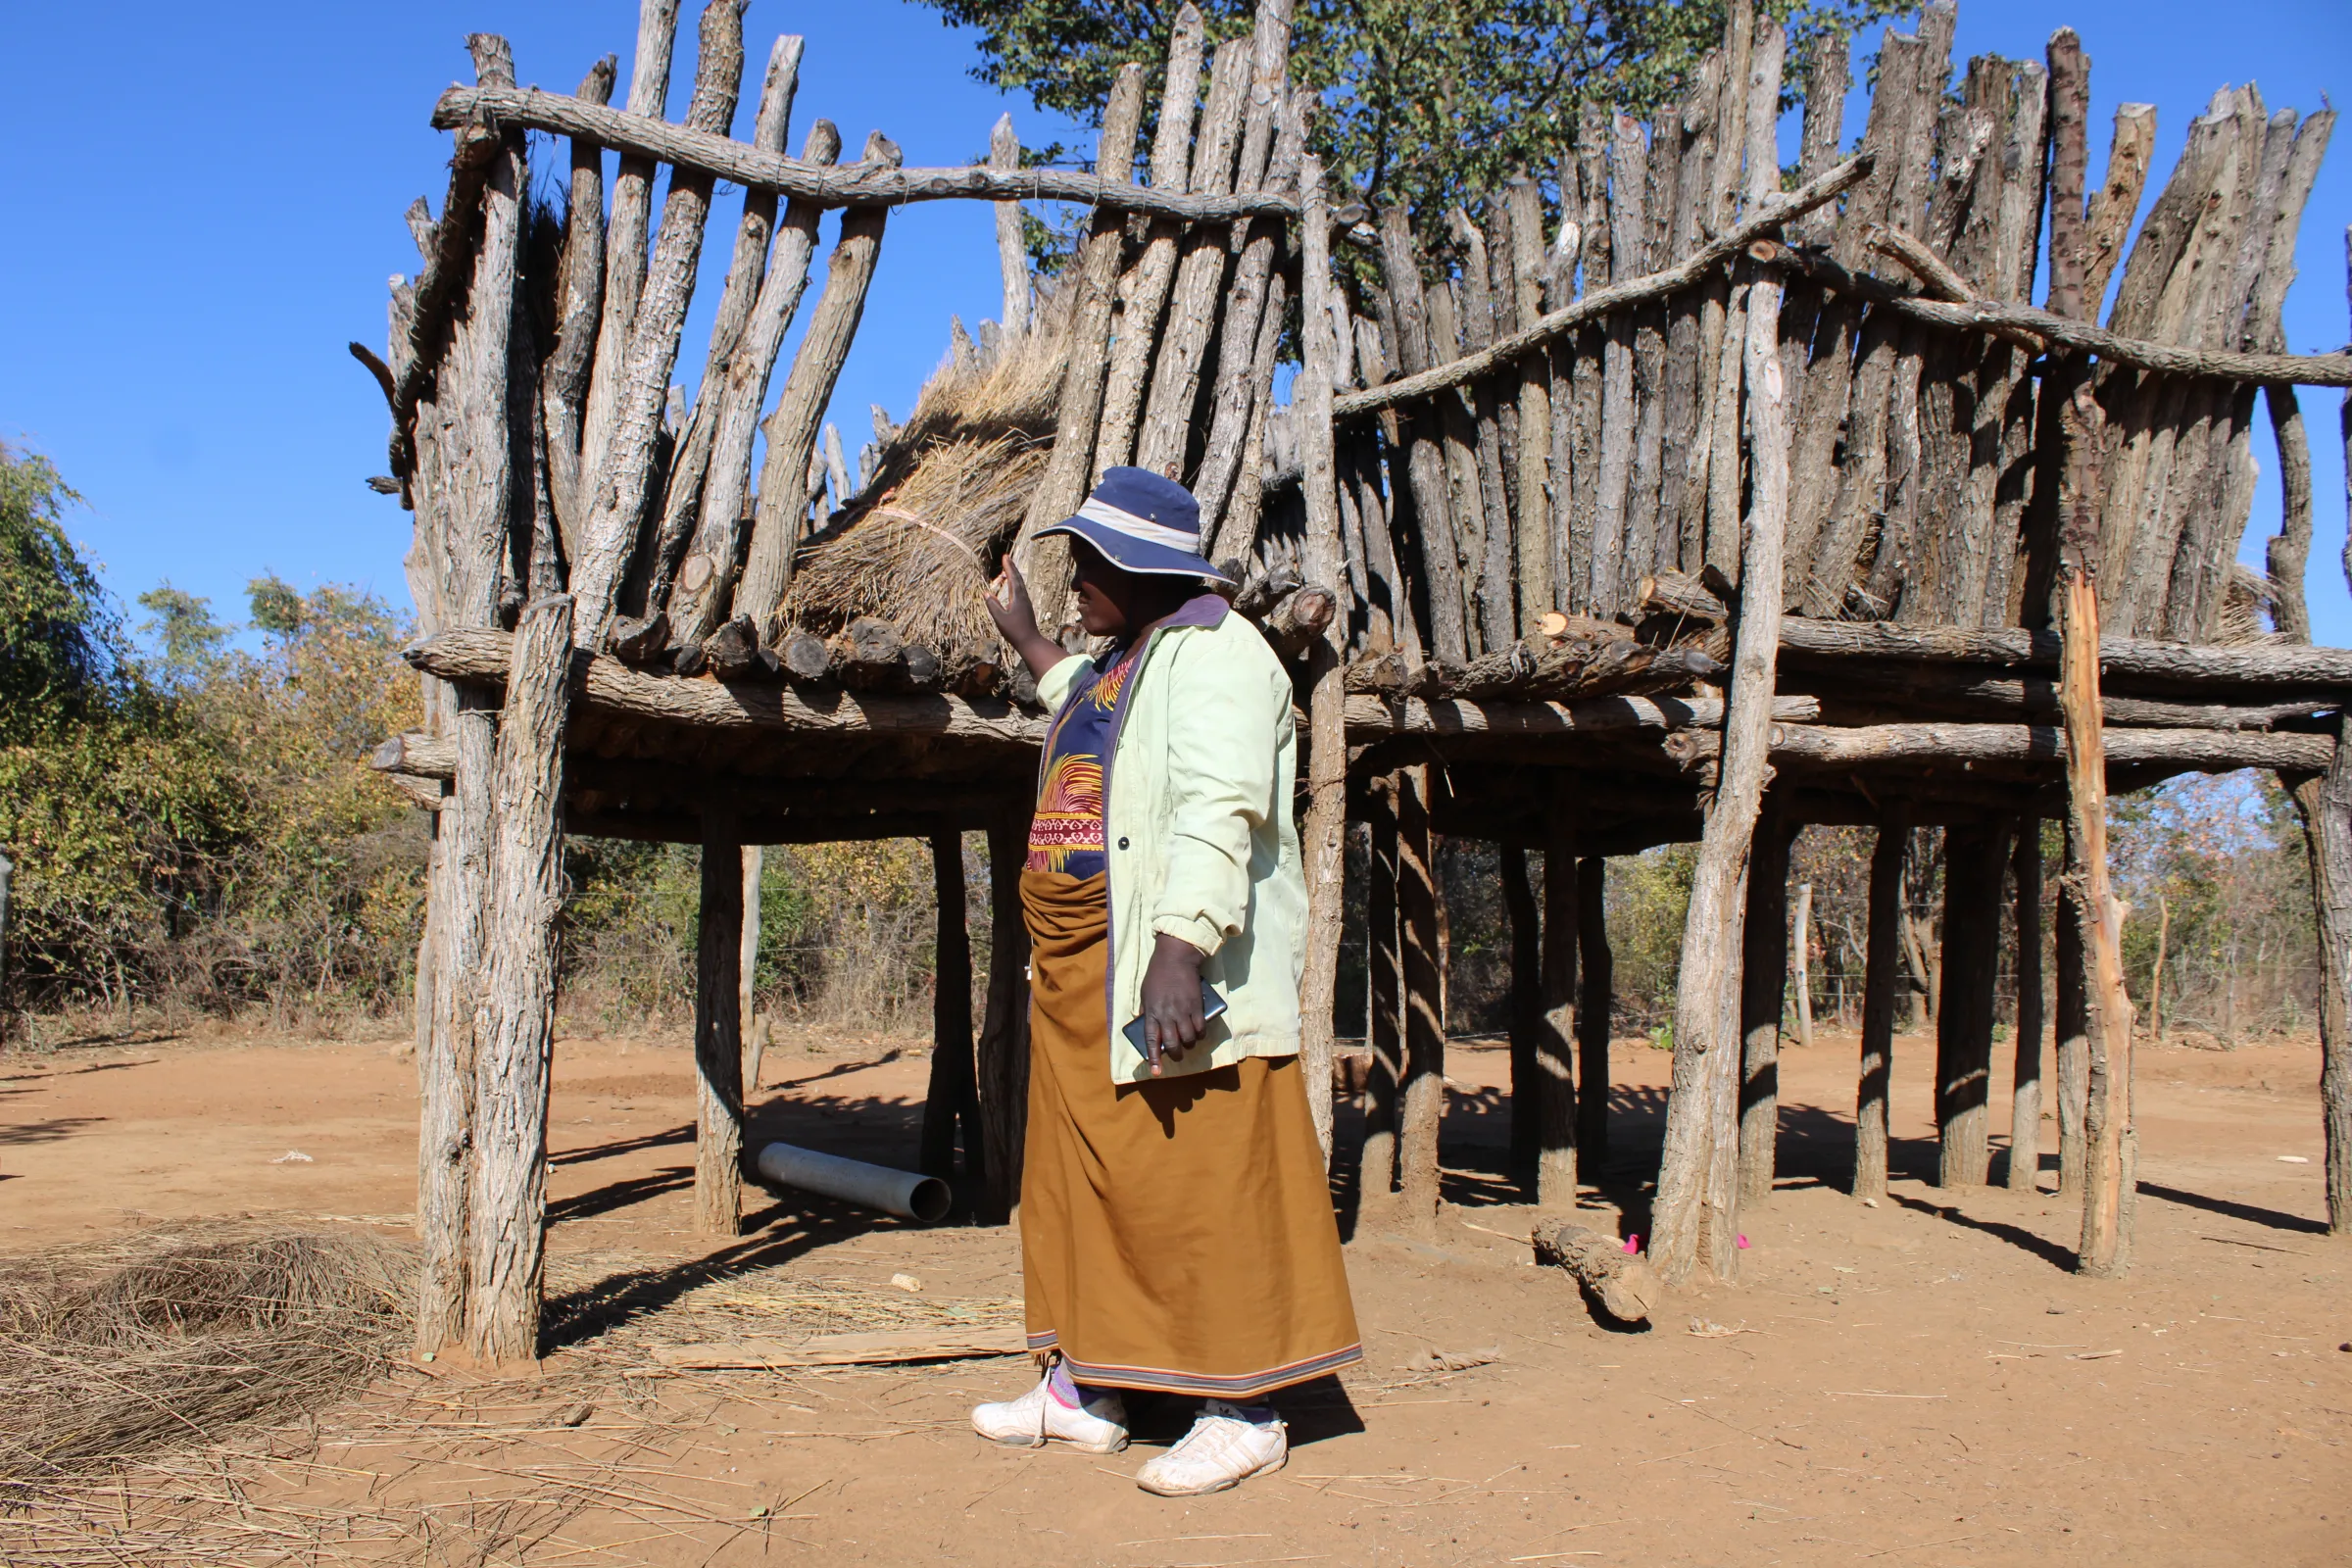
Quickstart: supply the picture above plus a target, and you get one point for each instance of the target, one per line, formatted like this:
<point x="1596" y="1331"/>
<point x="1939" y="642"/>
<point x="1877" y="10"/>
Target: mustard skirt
<point x="1176" y="1236"/>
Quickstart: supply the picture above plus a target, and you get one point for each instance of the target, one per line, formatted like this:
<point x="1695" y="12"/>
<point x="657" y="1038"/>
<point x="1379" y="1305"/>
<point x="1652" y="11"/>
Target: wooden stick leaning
<point x="1706" y="1044"/>
<point x="1324" y="830"/>
<point x="712" y="155"/>
<point x="792" y="430"/>
<point x="615" y="480"/>
<point x="1597" y="303"/>
<point x="579" y="303"/>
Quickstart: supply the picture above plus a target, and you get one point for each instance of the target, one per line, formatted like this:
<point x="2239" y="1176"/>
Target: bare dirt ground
<point x="1922" y="1382"/>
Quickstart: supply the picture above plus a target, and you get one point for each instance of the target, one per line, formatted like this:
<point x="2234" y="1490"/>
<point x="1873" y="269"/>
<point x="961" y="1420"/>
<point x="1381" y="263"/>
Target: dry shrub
<point x="946" y="495"/>
<point x="170" y="1338"/>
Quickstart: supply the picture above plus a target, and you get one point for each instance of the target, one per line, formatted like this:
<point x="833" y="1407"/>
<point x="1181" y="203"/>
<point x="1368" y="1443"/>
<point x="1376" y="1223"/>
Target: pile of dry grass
<point x="167" y="1339"/>
<point x="919" y="543"/>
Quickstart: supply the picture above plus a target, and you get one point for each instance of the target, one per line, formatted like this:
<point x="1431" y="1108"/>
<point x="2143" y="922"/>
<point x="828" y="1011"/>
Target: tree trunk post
<point x="718" y="1033"/>
<point x="1975" y="860"/>
<point x="1554" y="1060"/>
<point x="1423" y="1091"/>
<point x="1800" y="962"/>
<point x="1763" y="986"/>
<point x="514" y="1017"/>
<point x="1701" y="1111"/>
<point x="1376" y="1165"/>
<point x="1595" y="1002"/>
<point x="2109" y="1154"/>
<point x="1883" y="975"/>
<point x="1526" y="1010"/>
<point x="1002" y="1067"/>
<point x="2025" y="1100"/>
<point x="746" y="963"/>
<point x="1324" y="831"/>
<point x="2326" y="805"/>
<point x="1013" y="250"/>
<point x="953" y="1097"/>
<point x="2070" y="984"/>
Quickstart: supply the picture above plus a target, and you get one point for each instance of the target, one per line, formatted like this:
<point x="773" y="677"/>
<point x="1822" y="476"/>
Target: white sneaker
<point x="1222" y="1451"/>
<point x="1036" y="1418"/>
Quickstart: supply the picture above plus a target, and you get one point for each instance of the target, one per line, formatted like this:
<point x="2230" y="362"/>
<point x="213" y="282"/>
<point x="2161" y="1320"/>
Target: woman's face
<point x="1105" y="594"/>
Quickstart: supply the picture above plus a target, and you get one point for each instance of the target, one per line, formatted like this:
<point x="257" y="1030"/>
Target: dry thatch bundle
<point x="921" y="558"/>
<point x="172" y="1337"/>
<point x="946" y="495"/>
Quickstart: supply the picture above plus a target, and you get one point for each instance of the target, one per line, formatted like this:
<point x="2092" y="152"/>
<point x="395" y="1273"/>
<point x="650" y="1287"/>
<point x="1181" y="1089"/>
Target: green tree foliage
<point x="61" y="646"/>
<point x="1434" y="103"/>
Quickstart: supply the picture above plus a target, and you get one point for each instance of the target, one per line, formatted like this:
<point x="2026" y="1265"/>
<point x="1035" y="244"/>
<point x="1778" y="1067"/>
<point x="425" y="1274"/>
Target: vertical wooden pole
<point x="1974" y="860"/>
<point x="1800" y="962"/>
<point x="2109" y="1154"/>
<point x="1595" y="1001"/>
<point x="954" y="1097"/>
<point x="2024" y="1099"/>
<point x="2070" y="981"/>
<point x="1528" y="952"/>
<point x="475" y="443"/>
<point x="515" y="1021"/>
<point x="1002" y="1068"/>
<point x="2326" y="805"/>
<point x="746" y="963"/>
<point x="1013" y="250"/>
<point x="1555" y="1055"/>
<point x="1763" y="989"/>
<point x="1424" y="1080"/>
<point x="1706" y="1049"/>
<point x="1324" y="830"/>
<point x="718" y="1033"/>
<point x="1375" y="1169"/>
<point x="1882" y="979"/>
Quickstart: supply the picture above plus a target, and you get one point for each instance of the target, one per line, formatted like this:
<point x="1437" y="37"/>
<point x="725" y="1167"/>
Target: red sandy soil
<point x="1922" y="1382"/>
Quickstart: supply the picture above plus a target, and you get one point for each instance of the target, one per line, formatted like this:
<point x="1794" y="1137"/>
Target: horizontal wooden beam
<point x="2209" y="751"/>
<point x="1508" y="350"/>
<point x="1373" y="718"/>
<point x="859" y="184"/>
<point x="604" y="683"/>
<point x="2003" y="317"/>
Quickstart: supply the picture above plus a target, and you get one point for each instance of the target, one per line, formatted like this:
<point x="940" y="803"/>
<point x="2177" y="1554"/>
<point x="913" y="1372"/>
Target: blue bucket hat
<point x="1143" y="522"/>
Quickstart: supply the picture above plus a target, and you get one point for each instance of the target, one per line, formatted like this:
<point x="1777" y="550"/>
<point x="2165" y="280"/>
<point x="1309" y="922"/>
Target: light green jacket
<point x="1199" y="835"/>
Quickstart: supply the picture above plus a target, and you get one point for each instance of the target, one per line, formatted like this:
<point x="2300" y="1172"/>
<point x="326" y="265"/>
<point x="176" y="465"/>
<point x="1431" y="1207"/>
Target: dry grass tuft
<point x="917" y="546"/>
<point x="170" y="1338"/>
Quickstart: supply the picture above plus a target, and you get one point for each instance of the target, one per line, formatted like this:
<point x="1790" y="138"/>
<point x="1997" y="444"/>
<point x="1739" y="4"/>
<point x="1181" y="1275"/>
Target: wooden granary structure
<point x="1678" y="497"/>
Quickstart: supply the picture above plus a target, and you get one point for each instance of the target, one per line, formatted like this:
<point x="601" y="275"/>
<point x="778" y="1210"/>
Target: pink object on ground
<point x="1743" y="1241"/>
<point x="1632" y="1244"/>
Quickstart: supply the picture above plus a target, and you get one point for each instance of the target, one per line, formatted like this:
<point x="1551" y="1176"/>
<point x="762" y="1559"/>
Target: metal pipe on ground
<point x="903" y="1193"/>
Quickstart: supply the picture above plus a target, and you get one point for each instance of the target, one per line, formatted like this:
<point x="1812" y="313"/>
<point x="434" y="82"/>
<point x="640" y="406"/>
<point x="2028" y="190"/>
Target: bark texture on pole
<point x="1095" y="274"/>
<point x="1526" y="1010"/>
<point x="2326" y="805"/>
<point x="1013" y="250"/>
<point x="2070" y="981"/>
<point x="467" y="508"/>
<point x="953" y="1097"/>
<point x="1882" y="982"/>
<point x="2109" y="1153"/>
<point x="719" y="1032"/>
<point x="1554" y="1106"/>
<point x="1423" y="1093"/>
<point x="1323" y="832"/>
<point x="1763" y="995"/>
<point x="2025" y="1100"/>
<point x="1376" y="1163"/>
<point x="1595" y="1001"/>
<point x="747" y="966"/>
<point x="515" y="1018"/>
<point x="1974" y="861"/>
<point x="1002" y="1066"/>
<point x="1706" y="1048"/>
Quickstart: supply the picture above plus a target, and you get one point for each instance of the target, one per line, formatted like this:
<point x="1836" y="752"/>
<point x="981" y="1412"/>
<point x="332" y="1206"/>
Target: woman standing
<point x="1176" y="1222"/>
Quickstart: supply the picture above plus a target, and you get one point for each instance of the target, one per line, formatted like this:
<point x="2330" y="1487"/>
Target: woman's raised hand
<point x="1008" y="601"/>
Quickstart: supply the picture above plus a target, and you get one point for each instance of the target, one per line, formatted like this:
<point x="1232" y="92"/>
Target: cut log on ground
<point x="1620" y="1282"/>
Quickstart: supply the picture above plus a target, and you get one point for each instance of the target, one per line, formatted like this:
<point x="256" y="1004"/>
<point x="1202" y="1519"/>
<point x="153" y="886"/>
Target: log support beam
<point x="2026" y="1099"/>
<point x="718" y="1031"/>
<point x="1883" y="983"/>
<point x="1002" y="1065"/>
<point x="953" y="1101"/>
<point x="1422" y="1092"/>
<point x="1554" y="1057"/>
<point x="1763" y="995"/>
<point x="1976" y="860"/>
<point x="1595" y="1002"/>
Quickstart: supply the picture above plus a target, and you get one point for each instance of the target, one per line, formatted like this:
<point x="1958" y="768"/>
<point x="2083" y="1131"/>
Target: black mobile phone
<point x="1210" y="1005"/>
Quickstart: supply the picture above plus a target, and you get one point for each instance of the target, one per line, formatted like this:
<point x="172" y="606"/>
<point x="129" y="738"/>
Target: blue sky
<point x="206" y="200"/>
